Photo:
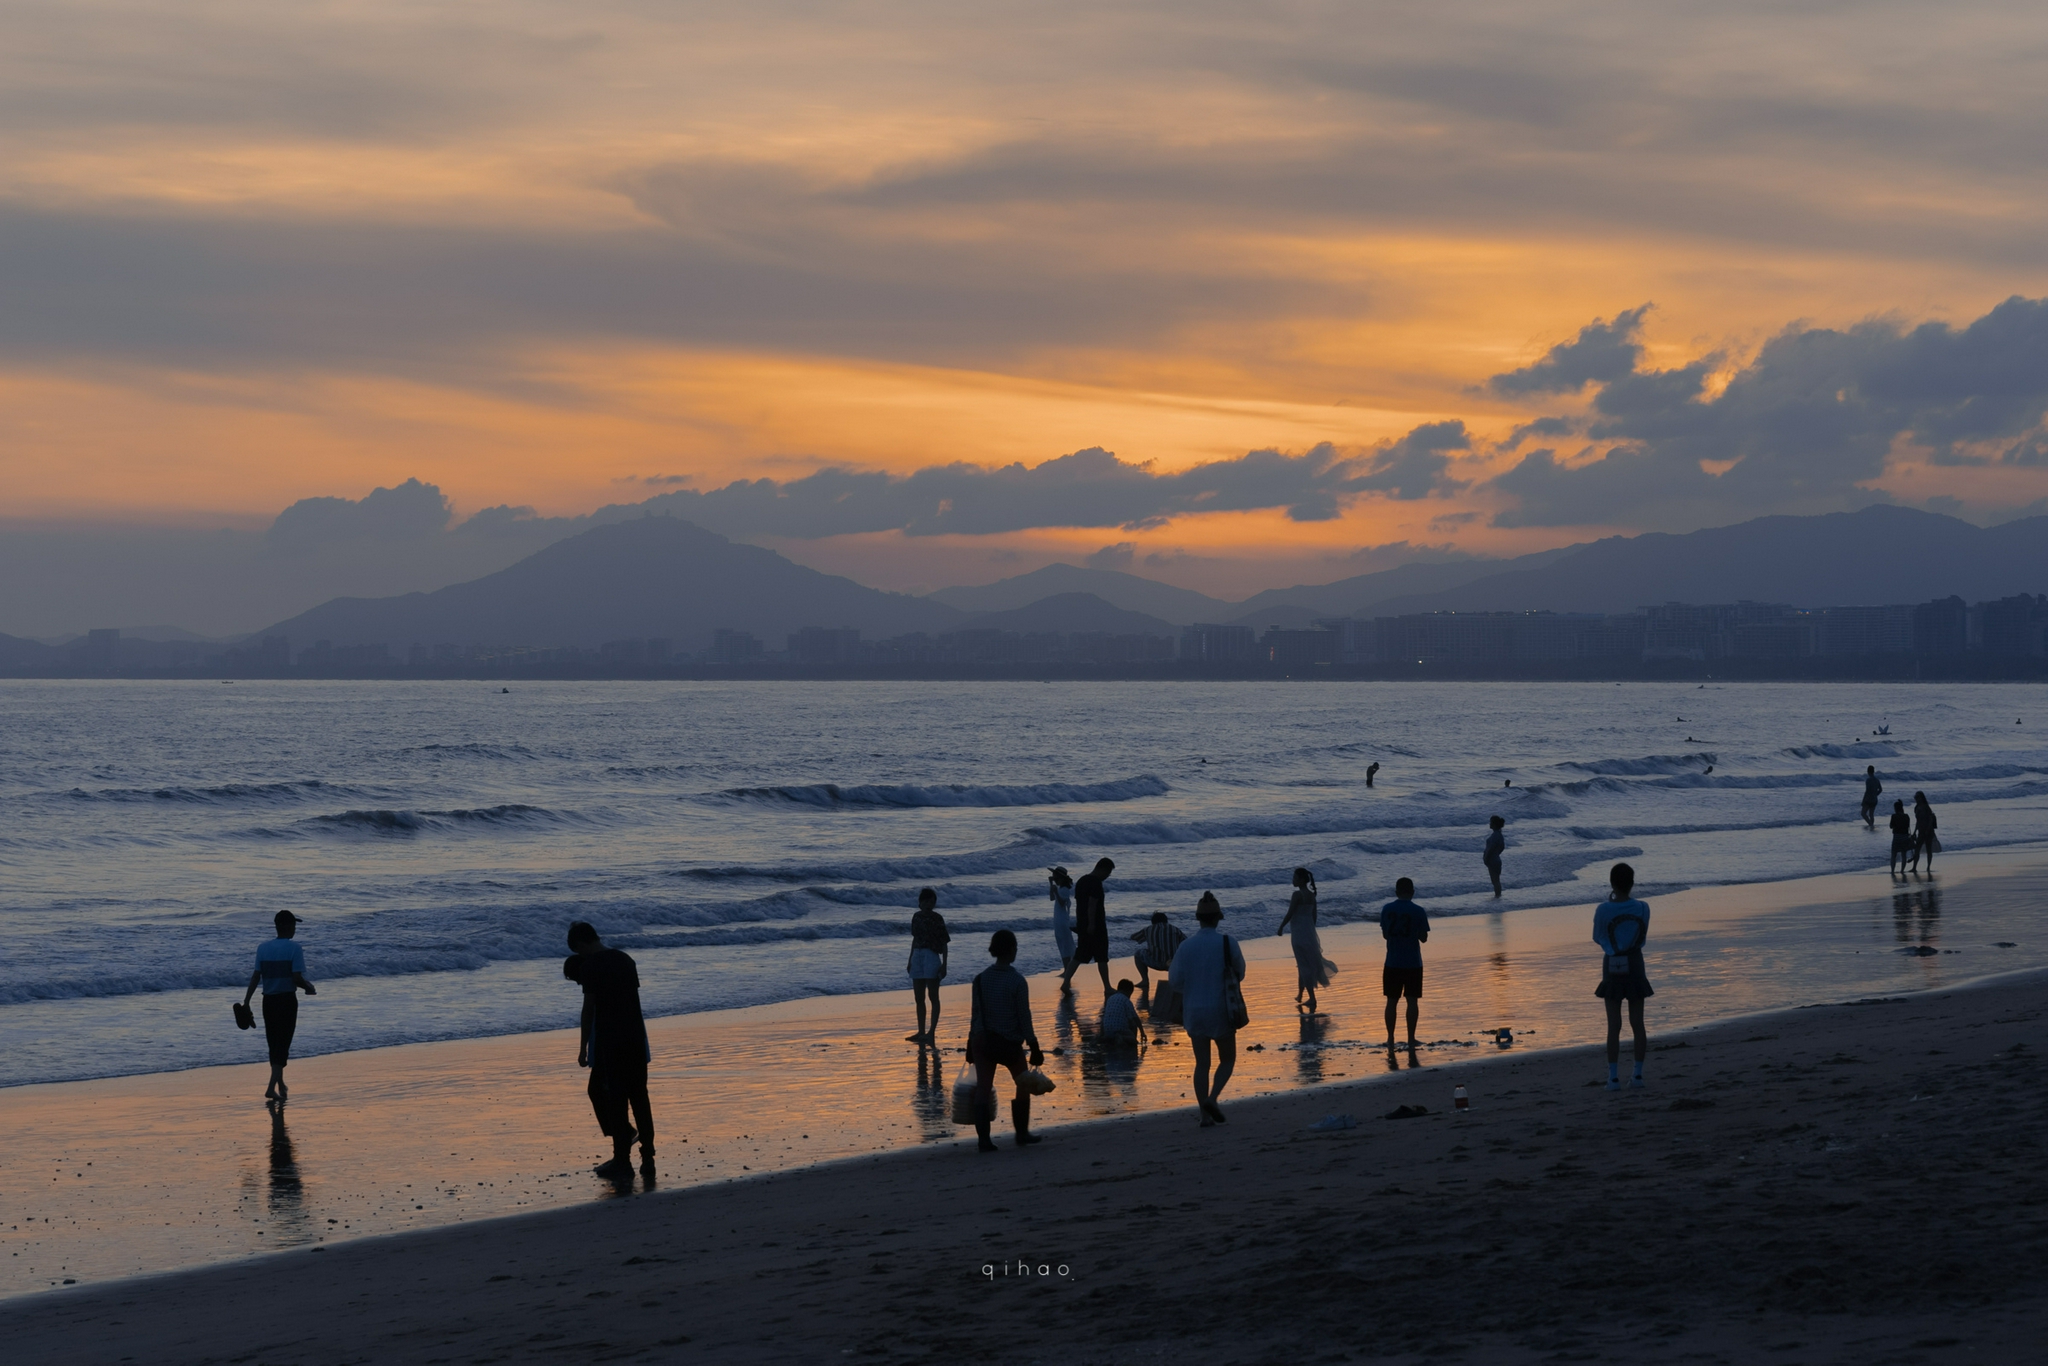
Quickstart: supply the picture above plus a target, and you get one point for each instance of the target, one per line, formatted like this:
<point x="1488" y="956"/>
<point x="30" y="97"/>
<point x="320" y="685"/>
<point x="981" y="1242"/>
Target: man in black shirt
<point x="1091" y="921"/>
<point x="613" y="1046"/>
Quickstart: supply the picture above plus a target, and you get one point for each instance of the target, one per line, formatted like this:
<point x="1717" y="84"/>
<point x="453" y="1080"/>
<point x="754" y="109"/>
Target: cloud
<point x="1542" y="426"/>
<point x="1118" y="556"/>
<point x="1602" y="352"/>
<point x="408" y="512"/>
<point x="1369" y="558"/>
<point x="1808" y="425"/>
<point x="1414" y="467"/>
<point x="1088" y="488"/>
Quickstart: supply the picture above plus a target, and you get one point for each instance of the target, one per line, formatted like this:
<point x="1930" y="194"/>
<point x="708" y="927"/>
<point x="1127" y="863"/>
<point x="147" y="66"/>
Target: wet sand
<point x="143" y="1174"/>
<point x="1858" y="1183"/>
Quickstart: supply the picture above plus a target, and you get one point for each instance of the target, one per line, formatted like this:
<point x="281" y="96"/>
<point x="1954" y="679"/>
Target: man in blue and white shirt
<point x="280" y="971"/>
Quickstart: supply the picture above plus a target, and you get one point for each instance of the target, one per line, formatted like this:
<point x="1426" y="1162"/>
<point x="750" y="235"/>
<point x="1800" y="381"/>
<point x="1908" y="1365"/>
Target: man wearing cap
<point x="280" y="971"/>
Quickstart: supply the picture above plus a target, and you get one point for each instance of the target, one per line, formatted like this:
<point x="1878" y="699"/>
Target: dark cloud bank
<point x="1807" y="422"/>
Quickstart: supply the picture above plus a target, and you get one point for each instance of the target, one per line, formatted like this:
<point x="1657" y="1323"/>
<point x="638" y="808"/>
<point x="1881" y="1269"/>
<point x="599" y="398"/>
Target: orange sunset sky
<point x="560" y="256"/>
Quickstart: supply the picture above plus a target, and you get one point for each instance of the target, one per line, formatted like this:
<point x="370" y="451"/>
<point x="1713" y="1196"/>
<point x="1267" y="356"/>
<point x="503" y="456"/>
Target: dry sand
<point x="1859" y="1183"/>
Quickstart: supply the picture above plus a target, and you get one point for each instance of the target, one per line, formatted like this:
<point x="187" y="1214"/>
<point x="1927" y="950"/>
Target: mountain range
<point x="665" y="577"/>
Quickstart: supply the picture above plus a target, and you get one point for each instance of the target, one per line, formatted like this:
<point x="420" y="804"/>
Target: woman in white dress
<point x="1062" y="887"/>
<point x="1311" y="969"/>
<point x="1200" y="971"/>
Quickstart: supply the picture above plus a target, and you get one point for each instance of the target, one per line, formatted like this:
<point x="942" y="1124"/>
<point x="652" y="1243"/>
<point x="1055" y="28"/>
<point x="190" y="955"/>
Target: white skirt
<point x="925" y="965"/>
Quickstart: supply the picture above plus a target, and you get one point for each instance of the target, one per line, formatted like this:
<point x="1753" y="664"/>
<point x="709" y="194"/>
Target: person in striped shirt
<point x="1157" y="943"/>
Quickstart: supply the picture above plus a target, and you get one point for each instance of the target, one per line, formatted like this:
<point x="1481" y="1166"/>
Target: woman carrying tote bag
<point x="1206" y="975"/>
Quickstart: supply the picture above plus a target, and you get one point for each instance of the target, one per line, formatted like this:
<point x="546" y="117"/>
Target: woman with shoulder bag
<point x="1206" y="977"/>
<point x="997" y="1034"/>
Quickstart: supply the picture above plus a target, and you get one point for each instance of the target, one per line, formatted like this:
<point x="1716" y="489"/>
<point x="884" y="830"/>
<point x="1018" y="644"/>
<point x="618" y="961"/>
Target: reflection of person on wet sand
<point x="1311" y="969"/>
<point x="1871" y="789"/>
<point x="1091" y="925"/>
<point x="1620" y="927"/>
<point x="927" y="965"/>
<point x="613" y="1045"/>
<point x="281" y="972"/>
<point x="1902" y="838"/>
<point x="1405" y="927"/>
<point x="1496" y="844"/>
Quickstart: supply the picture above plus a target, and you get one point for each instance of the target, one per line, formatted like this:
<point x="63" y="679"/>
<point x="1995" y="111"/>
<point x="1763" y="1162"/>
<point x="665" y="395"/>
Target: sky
<point x="1232" y="295"/>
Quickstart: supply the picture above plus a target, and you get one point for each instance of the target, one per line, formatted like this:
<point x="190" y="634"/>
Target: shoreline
<point x="737" y="1092"/>
<point x="1767" y="894"/>
<point x="1780" y="1158"/>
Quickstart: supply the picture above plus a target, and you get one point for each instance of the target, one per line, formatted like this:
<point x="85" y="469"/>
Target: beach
<point x="1785" y="1177"/>
<point x="1854" y="1183"/>
<point x="129" y="1175"/>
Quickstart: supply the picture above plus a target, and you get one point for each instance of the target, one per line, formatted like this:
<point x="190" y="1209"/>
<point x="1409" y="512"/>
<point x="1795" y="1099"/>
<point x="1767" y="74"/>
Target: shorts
<point x="1092" y="946"/>
<point x="280" y="1022"/>
<point x="1399" y="982"/>
<point x="1634" y="986"/>
<point x="926" y="965"/>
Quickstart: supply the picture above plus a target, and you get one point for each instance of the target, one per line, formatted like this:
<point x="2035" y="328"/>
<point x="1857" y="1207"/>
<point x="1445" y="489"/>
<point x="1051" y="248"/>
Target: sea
<point x="753" y="842"/>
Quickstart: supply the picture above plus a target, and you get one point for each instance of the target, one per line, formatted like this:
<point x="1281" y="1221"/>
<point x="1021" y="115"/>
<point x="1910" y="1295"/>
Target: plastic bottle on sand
<point x="1459" y="1101"/>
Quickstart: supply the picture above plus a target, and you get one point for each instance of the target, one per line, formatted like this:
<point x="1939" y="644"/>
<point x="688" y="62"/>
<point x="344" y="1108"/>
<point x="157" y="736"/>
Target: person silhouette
<point x="1871" y="790"/>
<point x="1311" y="969"/>
<point x="1496" y="844"/>
<point x="1203" y="972"/>
<point x="281" y="972"/>
<point x="612" y="1043"/>
<point x="1902" y="838"/>
<point x="1924" y="841"/>
<point x="1371" y="770"/>
<point x="1061" y="888"/>
<point x="998" y="1033"/>
<point x="1620" y="927"/>
<point x="1091" y="921"/>
<point x="1405" y="927"/>
<point x="927" y="963"/>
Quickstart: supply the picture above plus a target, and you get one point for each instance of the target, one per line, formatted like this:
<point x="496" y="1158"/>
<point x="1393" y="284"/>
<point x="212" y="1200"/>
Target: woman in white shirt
<point x="1200" y="971"/>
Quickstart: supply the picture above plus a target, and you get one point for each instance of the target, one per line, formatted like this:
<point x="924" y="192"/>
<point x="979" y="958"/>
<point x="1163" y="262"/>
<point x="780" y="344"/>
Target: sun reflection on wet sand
<point x="146" y="1173"/>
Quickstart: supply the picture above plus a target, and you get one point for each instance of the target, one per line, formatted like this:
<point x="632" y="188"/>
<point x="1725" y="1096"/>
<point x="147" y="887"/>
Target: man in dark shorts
<point x="1872" y="790"/>
<point x="281" y="972"/>
<point x="1091" y="921"/>
<point x="613" y="1046"/>
<point x="1404" y="925"/>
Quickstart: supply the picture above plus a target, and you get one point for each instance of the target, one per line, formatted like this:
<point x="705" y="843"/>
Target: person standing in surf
<point x="927" y="965"/>
<point x="1924" y="841"/>
<point x="1872" y="789"/>
<point x="612" y="1043"/>
<point x="1208" y="964"/>
<point x="1902" y="838"/>
<point x="281" y="972"/>
<point x="1620" y="927"/>
<point x="1311" y="969"/>
<point x="1062" y="888"/>
<point x="1091" y="921"/>
<point x="1496" y="843"/>
<point x="1405" y="927"/>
